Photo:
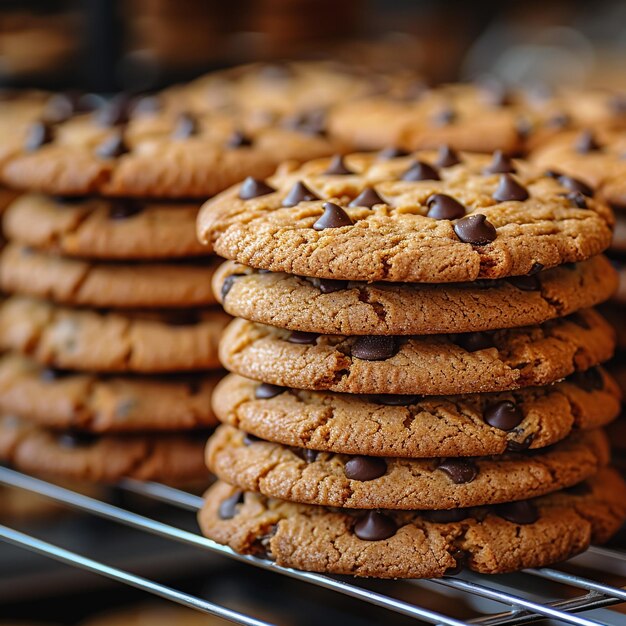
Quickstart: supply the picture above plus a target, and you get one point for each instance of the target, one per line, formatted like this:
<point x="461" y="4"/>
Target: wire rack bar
<point x="523" y="611"/>
<point x="22" y="540"/>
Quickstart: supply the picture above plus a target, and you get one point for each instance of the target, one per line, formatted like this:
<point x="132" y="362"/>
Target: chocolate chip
<point x="420" y="171"/>
<point x="363" y="468"/>
<point x="367" y="198"/>
<point x="310" y="456"/>
<point x="504" y="415"/>
<point x="576" y="199"/>
<point x="60" y="107"/>
<point x="309" y="122"/>
<point x="459" y="470"/>
<point x="186" y="126"/>
<point x="146" y="104"/>
<point x="302" y="337"/>
<point x="123" y="208"/>
<point x="500" y="164"/>
<point x="446" y="516"/>
<point x="299" y="193"/>
<point x="392" y="153"/>
<point x="239" y="140"/>
<point x="444" y="117"/>
<point x="112" y="147"/>
<point x="265" y="391"/>
<point x="388" y="399"/>
<point x="443" y="207"/>
<point x="520" y="446"/>
<point x="76" y="439"/>
<point x="228" y="507"/>
<point x="333" y="217"/>
<point x="249" y="439"/>
<point x="475" y="229"/>
<point x="472" y="342"/>
<point x="586" y="142"/>
<point x="536" y="268"/>
<point x="447" y="157"/>
<point x="510" y="189"/>
<point x="51" y="374"/>
<point x="589" y="380"/>
<point x="375" y="348"/>
<point x="573" y="184"/>
<point x="526" y="283"/>
<point x="337" y="167"/>
<point x="559" y="121"/>
<point x="38" y="134"/>
<point x="327" y="285"/>
<point x="375" y="526"/>
<point x="581" y="489"/>
<point x="521" y="513"/>
<point x="253" y="188"/>
<point x="115" y="112"/>
<point x="461" y="558"/>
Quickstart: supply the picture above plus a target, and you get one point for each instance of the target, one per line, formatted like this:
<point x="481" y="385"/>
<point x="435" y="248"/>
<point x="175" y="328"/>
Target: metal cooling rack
<point x="579" y="593"/>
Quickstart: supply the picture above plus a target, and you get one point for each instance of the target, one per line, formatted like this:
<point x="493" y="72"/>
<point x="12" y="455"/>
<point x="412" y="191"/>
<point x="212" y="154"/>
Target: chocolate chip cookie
<point x="417" y="544"/>
<point x="407" y="219"/>
<point x="342" y="307"/>
<point x="414" y="426"/>
<point x="428" y="364"/>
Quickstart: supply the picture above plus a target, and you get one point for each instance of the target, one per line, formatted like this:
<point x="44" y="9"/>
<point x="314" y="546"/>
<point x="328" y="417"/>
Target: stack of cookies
<point x="416" y="377"/>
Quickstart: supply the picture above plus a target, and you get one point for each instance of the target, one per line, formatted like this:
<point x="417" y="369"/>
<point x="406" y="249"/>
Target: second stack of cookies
<point x="416" y="377"/>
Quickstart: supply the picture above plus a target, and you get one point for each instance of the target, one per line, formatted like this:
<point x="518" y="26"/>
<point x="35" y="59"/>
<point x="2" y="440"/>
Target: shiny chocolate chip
<point x="526" y="283"/>
<point x="112" y="147"/>
<point x="115" y="112"/>
<point x="520" y="446"/>
<point x="420" y="171"/>
<point x="298" y="193"/>
<point x="124" y="208"/>
<point x="447" y="157"/>
<point x="337" y="167"/>
<point x="460" y="471"/>
<point x="51" y="374"/>
<point x="576" y="199"/>
<point x="328" y="285"/>
<point x="38" y="134"/>
<point x="367" y="198"/>
<point x="303" y="338"/>
<point x="504" y="415"/>
<point x="392" y="153"/>
<point x="228" y="507"/>
<point x="227" y="285"/>
<point x="310" y="456"/>
<point x="239" y="140"/>
<point x="186" y="126"/>
<point x="76" y="439"/>
<point x="500" y="164"/>
<point x="388" y="399"/>
<point x="333" y="217"/>
<point x="586" y="142"/>
<point x="253" y="188"/>
<point x="375" y="348"/>
<point x="363" y="468"/>
<point x="573" y="184"/>
<point x="509" y="189"/>
<point x="536" y="268"/>
<point x="472" y="342"/>
<point x="249" y="439"/>
<point x="444" y="207"/>
<point x="521" y="513"/>
<point x="375" y="526"/>
<point x="265" y="391"/>
<point x="475" y="229"/>
<point x="589" y="380"/>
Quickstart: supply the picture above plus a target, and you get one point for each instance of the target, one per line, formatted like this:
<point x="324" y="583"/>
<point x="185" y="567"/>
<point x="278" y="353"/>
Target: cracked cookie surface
<point x="101" y="284"/>
<point x="295" y="303"/>
<point x="427" y="364"/>
<point x="363" y="482"/>
<point x="147" y="342"/>
<point x="546" y="530"/>
<point x="537" y="221"/>
<point x="410" y="426"/>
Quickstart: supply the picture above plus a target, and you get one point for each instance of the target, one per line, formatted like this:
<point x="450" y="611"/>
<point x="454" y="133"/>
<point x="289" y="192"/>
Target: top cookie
<point x="595" y="158"/>
<point x="427" y="217"/>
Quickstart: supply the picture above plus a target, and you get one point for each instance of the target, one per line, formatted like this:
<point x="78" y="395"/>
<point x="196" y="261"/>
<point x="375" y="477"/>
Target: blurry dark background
<point x="107" y="45"/>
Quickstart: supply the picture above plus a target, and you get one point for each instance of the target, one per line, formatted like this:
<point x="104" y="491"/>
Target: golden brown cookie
<point x="149" y="342"/>
<point x="407" y="219"/>
<point x="107" y="284"/>
<point x="417" y="544"/>
<point x="367" y="482"/>
<point x="428" y="364"/>
<point x="412" y="426"/>
<point x="62" y="399"/>
<point x="326" y="306"/>
<point x="96" y="228"/>
<point x="167" y="458"/>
